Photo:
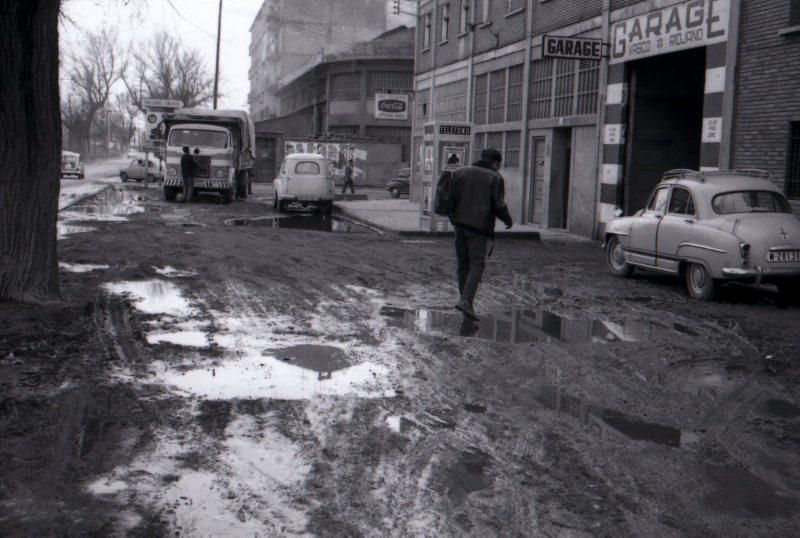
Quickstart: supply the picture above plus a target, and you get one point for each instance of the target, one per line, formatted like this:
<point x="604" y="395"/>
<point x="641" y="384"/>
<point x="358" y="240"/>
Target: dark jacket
<point x="187" y="166"/>
<point x="479" y="195"/>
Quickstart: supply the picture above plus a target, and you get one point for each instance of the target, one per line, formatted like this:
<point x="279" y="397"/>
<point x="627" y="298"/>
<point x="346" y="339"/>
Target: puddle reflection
<point x="521" y="326"/>
<point x="602" y="420"/>
<point x="111" y="203"/>
<point x="320" y="222"/>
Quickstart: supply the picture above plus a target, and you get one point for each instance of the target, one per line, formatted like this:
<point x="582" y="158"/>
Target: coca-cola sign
<point x="391" y="106"/>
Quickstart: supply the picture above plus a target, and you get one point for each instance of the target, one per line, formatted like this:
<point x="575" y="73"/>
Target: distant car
<point x="711" y="227"/>
<point x="303" y="179"/>
<point x="400" y="184"/>
<point x="71" y="164"/>
<point x="136" y="171"/>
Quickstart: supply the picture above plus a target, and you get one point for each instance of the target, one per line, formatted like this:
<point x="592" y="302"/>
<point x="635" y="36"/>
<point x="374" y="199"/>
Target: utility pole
<point x="216" y="66"/>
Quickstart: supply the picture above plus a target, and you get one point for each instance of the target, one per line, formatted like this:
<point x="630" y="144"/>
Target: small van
<point x="304" y="179"/>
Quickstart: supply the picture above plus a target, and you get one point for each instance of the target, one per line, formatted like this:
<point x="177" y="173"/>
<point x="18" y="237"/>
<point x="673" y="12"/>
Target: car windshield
<point x="750" y="202"/>
<point x="198" y="137"/>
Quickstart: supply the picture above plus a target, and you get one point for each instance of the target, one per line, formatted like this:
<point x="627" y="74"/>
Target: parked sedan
<point x="711" y="227"/>
<point x="136" y="171"/>
<point x="400" y="183"/>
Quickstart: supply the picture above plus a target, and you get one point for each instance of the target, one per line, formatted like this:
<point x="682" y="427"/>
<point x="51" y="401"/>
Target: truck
<point x="225" y="140"/>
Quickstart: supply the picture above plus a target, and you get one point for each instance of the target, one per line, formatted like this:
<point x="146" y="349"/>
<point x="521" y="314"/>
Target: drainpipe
<point x="602" y="88"/>
<point x="526" y="87"/>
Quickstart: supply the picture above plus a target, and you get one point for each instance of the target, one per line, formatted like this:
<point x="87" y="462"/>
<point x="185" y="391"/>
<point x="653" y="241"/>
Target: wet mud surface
<point x="209" y="372"/>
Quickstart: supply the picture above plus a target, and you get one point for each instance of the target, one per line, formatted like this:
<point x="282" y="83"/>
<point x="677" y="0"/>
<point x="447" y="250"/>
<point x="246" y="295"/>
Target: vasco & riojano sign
<point x="695" y="23"/>
<point x="391" y="106"/>
<point x="574" y="48"/>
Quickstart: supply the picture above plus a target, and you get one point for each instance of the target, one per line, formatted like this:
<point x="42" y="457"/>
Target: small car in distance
<point x="136" y="171"/>
<point x="304" y="179"/>
<point x="709" y="228"/>
<point x="71" y="164"/>
<point x="400" y="184"/>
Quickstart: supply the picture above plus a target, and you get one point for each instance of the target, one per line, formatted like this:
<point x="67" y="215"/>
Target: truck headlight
<point x="219" y="174"/>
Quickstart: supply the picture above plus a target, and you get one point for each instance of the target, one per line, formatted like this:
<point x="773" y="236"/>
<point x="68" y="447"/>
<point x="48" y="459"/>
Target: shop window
<point x="514" y="108"/>
<point x="346" y="86"/>
<point x="792" y="185"/>
<point x="451" y="101"/>
<point x="481" y="94"/>
<point x="511" y="153"/>
<point x="444" y="29"/>
<point x="497" y="96"/>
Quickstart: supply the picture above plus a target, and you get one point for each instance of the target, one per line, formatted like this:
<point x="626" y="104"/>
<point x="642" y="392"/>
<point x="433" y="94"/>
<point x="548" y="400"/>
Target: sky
<point x="195" y="22"/>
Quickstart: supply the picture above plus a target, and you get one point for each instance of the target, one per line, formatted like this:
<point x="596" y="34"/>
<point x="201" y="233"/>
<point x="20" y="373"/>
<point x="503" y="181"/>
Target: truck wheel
<point x="395" y="192"/>
<point x="229" y="194"/>
<point x="699" y="283"/>
<point x="241" y="185"/>
<point x="170" y="194"/>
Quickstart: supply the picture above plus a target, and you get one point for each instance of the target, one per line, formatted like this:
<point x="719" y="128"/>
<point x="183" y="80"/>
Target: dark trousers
<point x="352" y="187"/>
<point x="471" y="256"/>
<point x="188" y="188"/>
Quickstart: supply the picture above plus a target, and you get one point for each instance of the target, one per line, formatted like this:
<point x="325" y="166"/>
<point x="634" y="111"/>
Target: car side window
<point x="658" y="200"/>
<point x="681" y="202"/>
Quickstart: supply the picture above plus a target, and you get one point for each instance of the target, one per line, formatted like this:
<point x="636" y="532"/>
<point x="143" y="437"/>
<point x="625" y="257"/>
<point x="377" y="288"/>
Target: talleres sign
<point x="391" y="106"/>
<point x="695" y="23"/>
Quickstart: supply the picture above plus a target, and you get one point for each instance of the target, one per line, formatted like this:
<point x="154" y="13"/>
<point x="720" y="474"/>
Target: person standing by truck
<point x="187" y="172"/>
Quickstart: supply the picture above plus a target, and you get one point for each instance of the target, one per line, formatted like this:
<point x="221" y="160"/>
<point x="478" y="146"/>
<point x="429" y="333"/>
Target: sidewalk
<point x="402" y="216"/>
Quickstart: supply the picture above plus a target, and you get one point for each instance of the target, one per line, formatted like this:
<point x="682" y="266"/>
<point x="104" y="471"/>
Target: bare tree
<point x="164" y="68"/>
<point x="30" y="150"/>
<point x="91" y="74"/>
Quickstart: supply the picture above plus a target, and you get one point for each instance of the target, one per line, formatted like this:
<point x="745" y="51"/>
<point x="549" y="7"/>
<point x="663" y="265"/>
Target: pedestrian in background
<point x="348" y="177"/>
<point x="478" y="193"/>
<point x="187" y="171"/>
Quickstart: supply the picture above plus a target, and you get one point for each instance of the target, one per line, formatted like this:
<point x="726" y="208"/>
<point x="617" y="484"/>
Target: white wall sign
<point x="162" y="103"/>
<point x="695" y="23"/>
<point x="712" y="130"/>
<point x="391" y="106"/>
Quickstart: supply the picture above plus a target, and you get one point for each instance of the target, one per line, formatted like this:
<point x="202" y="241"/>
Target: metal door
<point x="537" y="181"/>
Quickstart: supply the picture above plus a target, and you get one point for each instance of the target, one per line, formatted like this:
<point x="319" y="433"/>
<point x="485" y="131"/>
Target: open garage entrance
<point x="666" y="118"/>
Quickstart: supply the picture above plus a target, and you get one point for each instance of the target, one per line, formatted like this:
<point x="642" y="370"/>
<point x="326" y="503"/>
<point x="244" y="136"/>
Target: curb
<point x="79" y="199"/>
<point x="530" y="236"/>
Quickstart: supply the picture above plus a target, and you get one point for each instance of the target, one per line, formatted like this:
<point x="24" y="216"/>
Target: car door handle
<point x="688" y="221"/>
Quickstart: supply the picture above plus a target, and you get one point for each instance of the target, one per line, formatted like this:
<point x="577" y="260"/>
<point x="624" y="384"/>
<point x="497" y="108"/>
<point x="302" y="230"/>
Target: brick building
<point x="701" y="84"/>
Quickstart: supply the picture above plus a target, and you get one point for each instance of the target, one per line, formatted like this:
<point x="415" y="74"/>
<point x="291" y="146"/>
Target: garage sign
<point x="687" y="25"/>
<point x="391" y="106"/>
<point x="573" y="48"/>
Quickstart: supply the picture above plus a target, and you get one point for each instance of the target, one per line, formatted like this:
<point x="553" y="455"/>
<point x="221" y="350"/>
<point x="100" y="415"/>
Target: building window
<point x="541" y="88"/>
<point x="343" y="129"/>
<point x="451" y="101"/>
<point x="463" y="25"/>
<point x="563" y="88"/>
<point x="497" y="96"/>
<point x="514" y="5"/>
<point x="588" y="78"/>
<point x="480" y="99"/>
<point x="478" y="146"/>
<point x="346" y="86"/>
<point x="486" y="10"/>
<point x="794" y="12"/>
<point x="444" y="29"/>
<point x="426" y="32"/>
<point x="514" y="108"/>
<point x="389" y="81"/>
<point x="793" y="173"/>
<point x="423" y="97"/>
<point x="495" y="141"/>
<point x="511" y="153"/>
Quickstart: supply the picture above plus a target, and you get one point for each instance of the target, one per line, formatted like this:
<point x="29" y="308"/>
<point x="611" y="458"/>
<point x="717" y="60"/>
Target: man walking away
<point x="479" y="195"/>
<point x="187" y="171"/>
<point x="348" y="177"/>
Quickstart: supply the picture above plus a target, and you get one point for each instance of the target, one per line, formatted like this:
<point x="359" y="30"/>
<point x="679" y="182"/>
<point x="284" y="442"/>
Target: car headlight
<point x="172" y="171"/>
<point x="744" y="250"/>
<point x="219" y="174"/>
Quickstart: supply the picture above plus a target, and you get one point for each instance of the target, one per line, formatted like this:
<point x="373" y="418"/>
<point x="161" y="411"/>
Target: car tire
<point x="395" y="192"/>
<point x="123" y="176"/>
<point x="699" y="282"/>
<point x="229" y="194"/>
<point x="170" y="194"/>
<point x="615" y="260"/>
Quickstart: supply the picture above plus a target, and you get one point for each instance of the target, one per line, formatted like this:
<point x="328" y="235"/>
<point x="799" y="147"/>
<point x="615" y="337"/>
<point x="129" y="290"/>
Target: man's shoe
<point x="467" y="310"/>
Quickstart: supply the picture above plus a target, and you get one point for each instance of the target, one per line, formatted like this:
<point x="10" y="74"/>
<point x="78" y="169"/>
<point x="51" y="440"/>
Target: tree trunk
<point x="30" y="150"/>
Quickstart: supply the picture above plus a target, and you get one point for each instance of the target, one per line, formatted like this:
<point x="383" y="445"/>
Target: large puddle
<point x="522" y="326"/>
<point x="320" y="222"/>
<point x="602" y="420"/>
<point x="153" y="297"/>
<point x="108" y="205"/>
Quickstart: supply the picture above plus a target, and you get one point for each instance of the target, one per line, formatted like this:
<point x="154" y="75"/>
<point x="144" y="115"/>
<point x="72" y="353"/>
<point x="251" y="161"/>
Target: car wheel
<point x="123" y="176"/>
<point x="615" y="258"/>
<point x="699" y="283"/>
<point x="395" y="192"/>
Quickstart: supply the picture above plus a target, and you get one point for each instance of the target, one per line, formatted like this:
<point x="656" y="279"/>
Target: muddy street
<point x="227" y="370"/>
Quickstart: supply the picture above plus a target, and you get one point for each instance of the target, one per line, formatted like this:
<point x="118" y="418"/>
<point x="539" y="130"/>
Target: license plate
<point x="784" y="256"/>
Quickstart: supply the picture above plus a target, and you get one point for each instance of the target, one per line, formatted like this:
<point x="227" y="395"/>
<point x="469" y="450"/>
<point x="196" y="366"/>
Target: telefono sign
<point x="390" y="106"/>
<point x="695" y="23"/>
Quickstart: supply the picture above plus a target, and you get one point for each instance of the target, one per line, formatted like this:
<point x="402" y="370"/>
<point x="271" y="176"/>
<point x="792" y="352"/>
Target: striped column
<point x="712" y="106"/>
<point x="614" y="132"/>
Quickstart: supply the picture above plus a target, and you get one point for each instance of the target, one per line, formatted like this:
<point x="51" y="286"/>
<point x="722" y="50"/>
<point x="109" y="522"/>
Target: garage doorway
<point x="535" y="206"/>
<point x="665" y="122"/>
<point x="560" y="171"/>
